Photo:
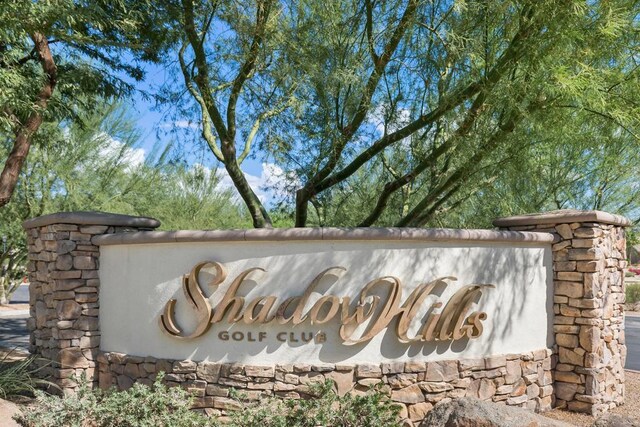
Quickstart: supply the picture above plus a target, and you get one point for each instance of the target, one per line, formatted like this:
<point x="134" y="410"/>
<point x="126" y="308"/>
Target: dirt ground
<point x="631" y="408"/>
<point x="13" y="307"/>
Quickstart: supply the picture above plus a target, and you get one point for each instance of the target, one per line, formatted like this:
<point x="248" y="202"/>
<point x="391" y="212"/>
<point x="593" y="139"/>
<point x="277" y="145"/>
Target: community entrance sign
<point x="325" y="301"/>
<point x="529" y="315"/>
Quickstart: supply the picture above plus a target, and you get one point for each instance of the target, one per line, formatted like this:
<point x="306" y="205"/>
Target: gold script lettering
<point x="368" y="317"/>
<point x="195" y="296"/>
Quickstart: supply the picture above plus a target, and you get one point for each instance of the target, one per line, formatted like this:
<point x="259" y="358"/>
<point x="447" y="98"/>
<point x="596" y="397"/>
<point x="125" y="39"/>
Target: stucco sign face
<point x="360" y="317"/>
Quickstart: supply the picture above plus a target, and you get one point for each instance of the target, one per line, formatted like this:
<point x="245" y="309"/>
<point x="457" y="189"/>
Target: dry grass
<point x="631" y="408"/>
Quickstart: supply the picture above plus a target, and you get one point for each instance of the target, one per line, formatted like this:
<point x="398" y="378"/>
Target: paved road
<point x="13" y="324"/>
<point x="13" y="333"/>
<point x="632" y="334"/>
<point x="21" y="296"/>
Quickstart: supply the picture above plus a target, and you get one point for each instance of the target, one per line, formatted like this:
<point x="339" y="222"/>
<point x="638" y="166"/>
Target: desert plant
<point x="139" y="406"/>
<point x="324" y="408"/>
<point x="162" y="406"/>
<point x="18" y="375"/>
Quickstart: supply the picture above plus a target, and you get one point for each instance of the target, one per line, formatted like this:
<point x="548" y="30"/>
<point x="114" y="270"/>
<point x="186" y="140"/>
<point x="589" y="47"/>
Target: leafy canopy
<point x="396" y="112"/>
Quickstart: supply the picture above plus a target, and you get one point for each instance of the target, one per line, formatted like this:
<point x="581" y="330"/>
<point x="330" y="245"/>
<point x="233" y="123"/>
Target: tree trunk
<point x="4" y="299"/>
<point x="25" y="131"/>
<point x="259" y="214"/>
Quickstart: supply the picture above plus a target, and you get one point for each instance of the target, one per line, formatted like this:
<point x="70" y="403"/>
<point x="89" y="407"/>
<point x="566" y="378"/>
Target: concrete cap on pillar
<point x="92" y="218"/>
<point x="564" y="216"/>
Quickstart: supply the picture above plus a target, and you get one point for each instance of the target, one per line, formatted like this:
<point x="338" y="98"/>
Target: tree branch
<point x="207" y="133"/>
<point x="429" y="161"/>
<point x="303" y="195"/>
<point x="262" y="17"/>
<point x="259" y="214"/>
<point x="424" y="210"/>
<point x="508" y="57"/>
<point x="26" y="130"/>
<point x="202" y="77"/>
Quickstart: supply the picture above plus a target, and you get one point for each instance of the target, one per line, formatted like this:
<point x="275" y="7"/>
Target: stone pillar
<point x="588" y="283"/>
<point x="64" y="290"/>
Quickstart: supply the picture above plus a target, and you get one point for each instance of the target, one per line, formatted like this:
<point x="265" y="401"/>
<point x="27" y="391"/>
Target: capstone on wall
<point x="543" y="324"/>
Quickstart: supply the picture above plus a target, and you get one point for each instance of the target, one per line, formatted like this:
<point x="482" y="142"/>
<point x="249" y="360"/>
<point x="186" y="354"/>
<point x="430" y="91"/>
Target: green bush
<point x="160" y="406"/>
<point x="17" y="376"/>
<point x="140" y="406"/>
<point x="372" y="409"/>
<point x="632" y="294"/>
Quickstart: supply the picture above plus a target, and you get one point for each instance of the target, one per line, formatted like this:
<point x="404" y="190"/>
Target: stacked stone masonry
<point x="588" y="263"/>
<point x="523" y="380"/>
<point x="63" y="293"/>
<point x="583" y="372"/>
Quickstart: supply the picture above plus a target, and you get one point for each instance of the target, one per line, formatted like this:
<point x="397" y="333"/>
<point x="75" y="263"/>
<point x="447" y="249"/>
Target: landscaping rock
<point x="7" y="411"/>
<point x="469" y="412"/>
<point x="613" y="420"/>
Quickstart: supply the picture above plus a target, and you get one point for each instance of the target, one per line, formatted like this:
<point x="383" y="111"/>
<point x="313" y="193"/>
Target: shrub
<point x="17" y="376"/>
<point x="632" y="294"/>
<point x="140" y="406"/>
<point x="372" y="409"/>
<point x="159" y="406"/>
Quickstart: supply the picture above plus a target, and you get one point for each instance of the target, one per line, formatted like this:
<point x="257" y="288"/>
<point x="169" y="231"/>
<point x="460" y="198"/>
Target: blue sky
<point x="154" y="122"/>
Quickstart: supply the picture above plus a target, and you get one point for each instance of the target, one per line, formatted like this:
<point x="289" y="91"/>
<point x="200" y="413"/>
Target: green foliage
<point x="460" y="113"/>
<point x="95" y="163"/>
<point x="632" y="293"/>
<point x="161" y="406"/>
<point x="89" y="42"/>
<point x="326" y="408"/>
<point x="140" y="406"/>
<point x="18" y="376"/>
<point x="484" y="108"/>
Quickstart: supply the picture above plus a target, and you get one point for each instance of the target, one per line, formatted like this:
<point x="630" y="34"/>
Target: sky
<point x="153" y="124"/>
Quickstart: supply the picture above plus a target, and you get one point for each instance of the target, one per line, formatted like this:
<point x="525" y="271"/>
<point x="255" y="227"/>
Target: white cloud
<point x="272" y="185"/>
<point x="182" y="124"/>
<point x="111" y="147"/>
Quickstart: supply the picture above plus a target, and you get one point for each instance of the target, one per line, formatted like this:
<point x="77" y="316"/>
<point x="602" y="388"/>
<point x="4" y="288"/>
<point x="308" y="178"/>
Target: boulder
<point x="613" y="420"/>
<point x="7" y="411"/>
<point x="470" y="412"/>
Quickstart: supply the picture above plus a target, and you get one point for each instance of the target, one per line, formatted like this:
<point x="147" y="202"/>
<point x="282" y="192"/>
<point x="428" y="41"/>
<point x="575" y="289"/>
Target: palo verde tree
<point x="54" y="55"/>
<point x="224" y="51"/>
<point x="96" y="162"/>
<point x="412" y="106"/>
<point x="578" y="161"/>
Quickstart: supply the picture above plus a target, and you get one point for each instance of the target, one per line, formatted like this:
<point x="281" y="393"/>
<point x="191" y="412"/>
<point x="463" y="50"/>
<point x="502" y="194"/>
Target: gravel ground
<point x="631" y="408"/>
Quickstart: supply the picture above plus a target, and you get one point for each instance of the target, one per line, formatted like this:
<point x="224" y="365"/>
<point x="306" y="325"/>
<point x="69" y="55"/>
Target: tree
<point x="95" y="163"/>
<point x="51" y="53"/>
<point x="415" y="101"/>
<point x="209" y="85"/>
<point x="578" y="162"/>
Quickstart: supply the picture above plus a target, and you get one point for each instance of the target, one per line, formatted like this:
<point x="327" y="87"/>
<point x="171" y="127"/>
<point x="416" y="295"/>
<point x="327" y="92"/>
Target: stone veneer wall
<point x="588" y="262"/>
<point x="63" y="292"/>
<point x="523" y="380"/>
<point x="585" y="373"/>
